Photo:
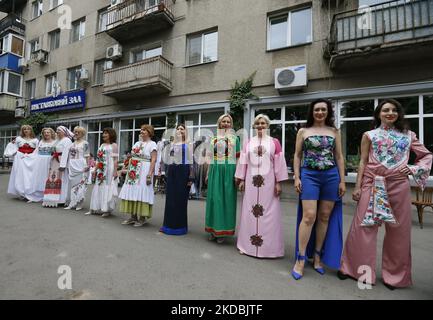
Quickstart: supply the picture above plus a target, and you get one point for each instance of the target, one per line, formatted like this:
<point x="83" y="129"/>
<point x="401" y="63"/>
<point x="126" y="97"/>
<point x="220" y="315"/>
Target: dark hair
<point x="400" y="124"/>
<point x="329" y="121"/>
<point x="111" y="133"/>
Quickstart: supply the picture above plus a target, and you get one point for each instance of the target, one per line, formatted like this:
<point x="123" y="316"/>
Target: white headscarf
<point x="68" y="133"/>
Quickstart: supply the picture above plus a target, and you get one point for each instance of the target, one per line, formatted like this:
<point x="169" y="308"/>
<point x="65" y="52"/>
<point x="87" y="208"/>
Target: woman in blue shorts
<point x="320" y="184"/>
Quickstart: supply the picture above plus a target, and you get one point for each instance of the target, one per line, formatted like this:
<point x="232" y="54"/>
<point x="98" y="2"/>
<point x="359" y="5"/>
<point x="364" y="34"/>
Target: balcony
<point x="132" y="19"/>
<point x="389" y="33"/>
<point x="11" y="5"/>
<point x="12" y="23"/>
<point x="142" y="79"/>
<point x="7" y="103"/>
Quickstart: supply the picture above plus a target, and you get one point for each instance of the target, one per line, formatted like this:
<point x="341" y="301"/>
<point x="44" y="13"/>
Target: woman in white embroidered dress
<point x="42" y="164"/>
<point x="57" y="185"/>
<point x="137" y="193"/>
<point x="78" y="169"/>
<point x="21" y="179"/>
<point x="104" y="192"/>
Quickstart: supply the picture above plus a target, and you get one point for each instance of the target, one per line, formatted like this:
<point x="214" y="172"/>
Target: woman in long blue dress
<point x="179" y="179"/>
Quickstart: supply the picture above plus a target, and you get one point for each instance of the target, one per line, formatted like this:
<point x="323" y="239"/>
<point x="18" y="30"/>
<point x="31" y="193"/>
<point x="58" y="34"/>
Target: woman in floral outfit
<point x="383" y="194"/>
<point x="104" y="193"/>
<point x="320" y="184"/>
<point x="137" y="192"/>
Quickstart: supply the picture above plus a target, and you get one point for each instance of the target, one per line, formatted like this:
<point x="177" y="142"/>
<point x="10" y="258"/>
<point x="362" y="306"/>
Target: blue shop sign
<point x="65" y="101"/>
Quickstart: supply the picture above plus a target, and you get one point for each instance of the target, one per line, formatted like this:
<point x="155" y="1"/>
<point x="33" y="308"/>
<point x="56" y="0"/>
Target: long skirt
<point x="78" y="181"/>
<point x="176" y="200"/>
<point x="221" y="200"/>
<point x="57" y="185"/>
<point x="41" y="169"/>
<point x="21" y="178"/>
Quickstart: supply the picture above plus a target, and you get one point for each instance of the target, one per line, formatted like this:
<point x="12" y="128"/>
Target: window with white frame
<point x="200" y="124"/>
<point x="50" y="84"/>
<point x="78" y="30"/>
<point x="102" y="20"/>
<point x="130" y="131"/>
<point x="37" y="8"/>
<point x="54" y="39"/>
<point x="6" y="136"/>
<point x="99" y="72"/>
<point x="138" y="55"/>
<point x="31" y="89"/>
<point x="72" y="80"/>
<point x="290" y="29"/>
<point x="12" y="44"/>
<point x="55" y="3"/>
<point x="202" y="48"/>
<point x="33" y="46"/>
<point x="11" y="83"/>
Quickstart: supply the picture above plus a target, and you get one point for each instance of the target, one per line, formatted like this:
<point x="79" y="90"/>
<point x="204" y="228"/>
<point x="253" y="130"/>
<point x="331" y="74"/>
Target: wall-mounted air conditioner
<point x="289" y="78"/>
<point x="114" y="52"/>
<point x="20" y="113"/>
<point x="22" y="63"/>
<point x="82" y="75"/>
<point x="40" y="56"/>
<point x="20" y="103"/>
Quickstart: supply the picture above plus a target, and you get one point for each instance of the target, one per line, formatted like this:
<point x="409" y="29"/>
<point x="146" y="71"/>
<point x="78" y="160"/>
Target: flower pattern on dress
<point x="379" y="209"/>
<point x="256" y="240"/>
<point x="258" y="210"/>
<point x="390" y="147"/>
<point x="258" y="181"/>
<point x="101" y="164"/>
<point x="134" y="164"/>
<point x="319" y="152"/>
<point x="260" y="150"/>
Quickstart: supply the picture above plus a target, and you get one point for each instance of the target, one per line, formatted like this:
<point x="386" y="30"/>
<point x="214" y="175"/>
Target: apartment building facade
<point x="125" y="63"/>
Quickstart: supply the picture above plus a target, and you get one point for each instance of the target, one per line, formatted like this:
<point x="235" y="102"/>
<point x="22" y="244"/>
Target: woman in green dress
<point x="222" y="193"/>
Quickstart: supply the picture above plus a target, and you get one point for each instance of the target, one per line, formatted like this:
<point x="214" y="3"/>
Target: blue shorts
<point x="320" y="184"/>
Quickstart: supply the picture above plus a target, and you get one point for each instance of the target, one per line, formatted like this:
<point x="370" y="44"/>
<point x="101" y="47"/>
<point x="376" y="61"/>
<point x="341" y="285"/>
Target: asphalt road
<point x="111" y="261"/>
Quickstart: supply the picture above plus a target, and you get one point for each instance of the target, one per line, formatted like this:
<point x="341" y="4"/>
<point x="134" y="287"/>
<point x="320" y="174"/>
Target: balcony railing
<point x="381" y="24"/>
<point x="14" y="23"/>
<point x="148" y="77"/>
<point x="146" y="16"/>
<point x="10" y="5"/>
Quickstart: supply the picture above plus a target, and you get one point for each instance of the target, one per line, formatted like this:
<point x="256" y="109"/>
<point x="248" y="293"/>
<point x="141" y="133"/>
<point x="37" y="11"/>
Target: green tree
<point x="239" y="93"/>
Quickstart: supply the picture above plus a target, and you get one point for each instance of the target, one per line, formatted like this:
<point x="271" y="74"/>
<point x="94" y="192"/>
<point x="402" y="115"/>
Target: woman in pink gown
<point x="383" y="194"/>
<point x="260" y="170"/>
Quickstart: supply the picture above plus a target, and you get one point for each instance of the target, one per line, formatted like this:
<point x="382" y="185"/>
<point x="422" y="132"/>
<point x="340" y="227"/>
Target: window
<point x="78" y="30"/>
<point x="290" y="29"/>
<point x="13" y="44"/>
<point x="37" y="8"/>
<point x="50" y="84"/>
<point x="72" y="79"/>
<point x="138" y="55"/>
<point x="11" y="83"/>
<point x="102" y="20"/>
<point x="30" y="89"/>
<point x="99" y="72"/>
<point x="34" y="45"/>
<point x="200" y="124"/>
<point x="55" y="3"/>
<point x="54" y="38"/>
<point x="202" y="47"/>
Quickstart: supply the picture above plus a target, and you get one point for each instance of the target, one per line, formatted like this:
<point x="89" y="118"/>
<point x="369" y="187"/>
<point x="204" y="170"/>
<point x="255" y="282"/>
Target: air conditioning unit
<point x="114" y="52"/>
<point x="289" y="78"/>
<point x="82" y="75"/>
<point x="22" y="63"/>
<point x="20" y="103"/>
<point x="40" y="56"/>
<point x="20" y="113"/>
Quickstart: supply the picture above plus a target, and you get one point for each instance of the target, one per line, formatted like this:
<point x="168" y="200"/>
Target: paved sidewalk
<point x="111" y="261"/>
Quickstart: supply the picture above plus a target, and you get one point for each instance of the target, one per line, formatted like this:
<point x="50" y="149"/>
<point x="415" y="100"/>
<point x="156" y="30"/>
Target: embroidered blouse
<point x="46" y="148"/>
<point x="319" y="152"/>
<point x="226" y="149"/>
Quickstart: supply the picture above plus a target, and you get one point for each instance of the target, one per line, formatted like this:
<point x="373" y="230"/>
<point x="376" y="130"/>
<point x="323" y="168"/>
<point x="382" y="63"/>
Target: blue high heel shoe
<point x="296" y="275"/>
<point x="320" y="269"/>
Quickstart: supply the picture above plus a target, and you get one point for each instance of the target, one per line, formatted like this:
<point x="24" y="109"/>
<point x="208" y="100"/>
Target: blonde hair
<point x="220" y="119"/>
<point x="53" y="133"/>
<point x="26" y="126"/>
<point x="80" y="129"/>
<point x="264" y="117"/>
